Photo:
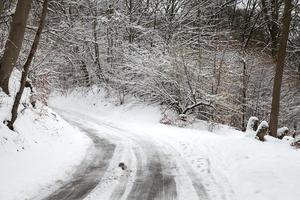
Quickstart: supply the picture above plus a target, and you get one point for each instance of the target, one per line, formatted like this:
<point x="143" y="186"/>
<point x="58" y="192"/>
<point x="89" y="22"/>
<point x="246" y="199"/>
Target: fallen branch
<point x="196" y="105"/>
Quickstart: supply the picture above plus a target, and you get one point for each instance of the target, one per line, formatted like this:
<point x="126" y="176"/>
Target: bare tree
<point x="14" y="111"/>
<point x="270" y="10"/>
<point x="14" y="43"/>
<point x="183" y="54"/>
<point x="279" y="67"/>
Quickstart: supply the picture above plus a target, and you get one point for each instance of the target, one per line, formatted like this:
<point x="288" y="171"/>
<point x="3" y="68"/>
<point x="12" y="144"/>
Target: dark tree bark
<point x="14" y="111"/>
<point x="14" y="43"/>
<point x="279" y="67"/>
<point x="244" y="96"/>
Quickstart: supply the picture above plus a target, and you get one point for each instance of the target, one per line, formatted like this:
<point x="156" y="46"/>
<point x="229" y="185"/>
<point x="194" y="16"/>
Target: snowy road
<point x="89" y="172"/>
<point x="154" y="169"/>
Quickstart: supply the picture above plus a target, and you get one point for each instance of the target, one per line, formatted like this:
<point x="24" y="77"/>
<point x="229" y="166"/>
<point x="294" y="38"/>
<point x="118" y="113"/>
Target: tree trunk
<point x="85" y="72"/>
<point x="14" y="43"/>
<point x="99" y="73"/>
<point x="244" y="95"/>
<point x="14" y="111"/>
<point x="279" y="67"/>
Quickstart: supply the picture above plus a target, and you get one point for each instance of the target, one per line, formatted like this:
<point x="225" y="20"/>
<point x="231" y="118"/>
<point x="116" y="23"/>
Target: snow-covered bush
<point x="281" y="132"/>
<point x="252" y="124"/>
<point x="166" y="120"/>
<point x="262" y="130"/>
<point x="182" y="120"/>
<point x="296" y="142"/>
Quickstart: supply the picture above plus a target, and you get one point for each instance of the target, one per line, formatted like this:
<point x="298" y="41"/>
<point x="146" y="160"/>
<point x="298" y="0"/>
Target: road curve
<point x="89" y="172"/>
<point x="154" y="170"/>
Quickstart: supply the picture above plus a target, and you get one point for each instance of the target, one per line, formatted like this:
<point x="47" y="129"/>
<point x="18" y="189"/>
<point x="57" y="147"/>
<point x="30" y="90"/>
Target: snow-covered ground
<point x="43" y="149"/>
<point x="164" y="162"/>
<point x="227" y="163"/>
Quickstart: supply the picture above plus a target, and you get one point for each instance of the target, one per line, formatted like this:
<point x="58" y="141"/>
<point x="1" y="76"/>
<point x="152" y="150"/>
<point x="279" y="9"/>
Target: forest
<point x="230" y="65"/>
<point x="214" y="59"/>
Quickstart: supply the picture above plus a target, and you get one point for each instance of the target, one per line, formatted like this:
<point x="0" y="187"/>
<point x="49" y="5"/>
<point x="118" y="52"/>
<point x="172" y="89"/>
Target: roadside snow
<point x="43" y="149"/>
<point x="231" y="164"/>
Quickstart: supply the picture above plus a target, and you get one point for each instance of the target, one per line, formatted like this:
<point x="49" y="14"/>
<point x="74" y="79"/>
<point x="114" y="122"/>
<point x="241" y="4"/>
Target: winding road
<point x="154" y="169"/>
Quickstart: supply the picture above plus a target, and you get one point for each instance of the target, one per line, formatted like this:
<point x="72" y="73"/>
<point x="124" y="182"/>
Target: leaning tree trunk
<point x="14" y="111"/>
<point x="14" y="43"/>
<point x="279" y="67"/>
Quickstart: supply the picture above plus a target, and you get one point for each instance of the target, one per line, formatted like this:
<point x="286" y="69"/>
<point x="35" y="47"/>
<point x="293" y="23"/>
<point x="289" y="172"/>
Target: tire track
<point x="89" y="172"/>
<point x="121" y="187"/>
<point x="151" y="182"/>
<point x="196" y="181"/>
<point x="157" y="166"/>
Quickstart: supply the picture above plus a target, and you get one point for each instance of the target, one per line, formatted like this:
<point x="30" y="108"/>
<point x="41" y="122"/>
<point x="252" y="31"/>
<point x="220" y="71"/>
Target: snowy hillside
<point x="41" y="151"/>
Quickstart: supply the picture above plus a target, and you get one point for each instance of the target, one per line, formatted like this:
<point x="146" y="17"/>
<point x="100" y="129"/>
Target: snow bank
<point x="252" y="124"/>
<point x="282" y="131"/>
<point x="98" y="102"/>
<point x="242" y="168"/>
<point x="263" y="124"/>
<point x="231" y="165"/>
<point x="42" y="150"/>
